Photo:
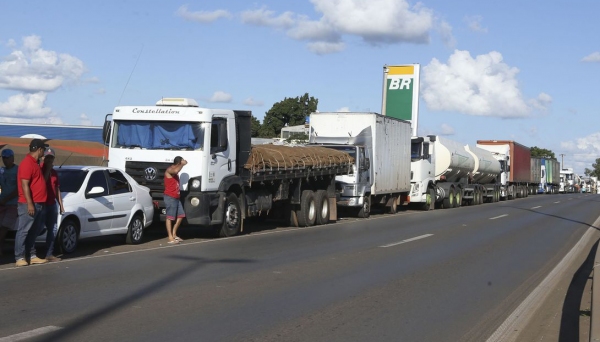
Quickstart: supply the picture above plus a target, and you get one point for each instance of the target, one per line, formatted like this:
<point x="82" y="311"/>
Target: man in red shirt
<point x="31" y="204"/>
<point x="171" y="197"/>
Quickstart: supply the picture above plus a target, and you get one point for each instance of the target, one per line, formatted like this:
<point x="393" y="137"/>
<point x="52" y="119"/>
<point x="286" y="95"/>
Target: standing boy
<point x="54" y="198"/>
<point x="31" y="204"/>
<point x="171" y="197"/>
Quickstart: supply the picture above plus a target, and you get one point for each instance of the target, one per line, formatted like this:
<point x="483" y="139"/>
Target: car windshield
<point x="158" y="135"/>
<point x="71" y="180"/>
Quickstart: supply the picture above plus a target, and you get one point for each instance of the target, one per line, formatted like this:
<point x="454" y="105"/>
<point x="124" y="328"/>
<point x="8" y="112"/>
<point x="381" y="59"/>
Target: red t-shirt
<point x="51" y="185"/>
<point x="172" y="186"/>
<point x="30" y="170"/>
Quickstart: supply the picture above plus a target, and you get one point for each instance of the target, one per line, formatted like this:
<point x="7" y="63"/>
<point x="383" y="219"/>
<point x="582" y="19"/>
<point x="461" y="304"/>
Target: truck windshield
<point x="158" y="135"/>
<point x="415" y="151"/>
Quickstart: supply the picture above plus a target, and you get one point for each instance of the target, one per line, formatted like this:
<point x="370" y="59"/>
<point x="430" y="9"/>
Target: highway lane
<point x="419" y="276"/>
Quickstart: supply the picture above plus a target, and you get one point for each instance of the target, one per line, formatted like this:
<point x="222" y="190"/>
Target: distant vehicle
<point x="100" y="201"/>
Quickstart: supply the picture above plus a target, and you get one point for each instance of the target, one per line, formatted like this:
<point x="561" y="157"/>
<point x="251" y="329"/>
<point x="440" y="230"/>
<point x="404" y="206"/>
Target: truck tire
<point x="232" y="220"/>
<point x="457" y="198"/>
<point x="449" y="201"/>
<point x="365" y="210"/>
<point x="307" y="213"/>
<point x="430" y="200"/>
<point x="393" y="207"/>
<point x="322" y="206"/>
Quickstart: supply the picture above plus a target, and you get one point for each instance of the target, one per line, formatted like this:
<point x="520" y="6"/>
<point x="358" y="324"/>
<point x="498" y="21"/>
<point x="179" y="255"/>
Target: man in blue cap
<point x="8" y="195"/>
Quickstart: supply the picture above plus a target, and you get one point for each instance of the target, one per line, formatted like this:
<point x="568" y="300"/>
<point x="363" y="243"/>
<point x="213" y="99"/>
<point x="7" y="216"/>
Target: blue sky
<point x="527" y="71"/>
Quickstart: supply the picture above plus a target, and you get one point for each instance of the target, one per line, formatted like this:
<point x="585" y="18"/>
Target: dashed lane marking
<point x="407" y="240"/>
<point x="29" y="334"/>
<point x="497" y="217"/>
<point x="556" y="202"/>
<point x="539" y="206"/>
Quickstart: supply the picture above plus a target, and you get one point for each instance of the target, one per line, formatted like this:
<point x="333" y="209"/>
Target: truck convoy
<point x="226" y="178"/>
<point x="380" y="147"/>
<point x="354" y="160"/>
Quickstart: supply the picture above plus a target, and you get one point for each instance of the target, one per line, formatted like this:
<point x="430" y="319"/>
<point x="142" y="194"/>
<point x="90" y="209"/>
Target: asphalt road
<point x="452" y="275"/>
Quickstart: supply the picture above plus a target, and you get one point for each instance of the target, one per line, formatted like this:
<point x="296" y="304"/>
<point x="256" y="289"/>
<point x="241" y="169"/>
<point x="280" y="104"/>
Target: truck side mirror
<point x="106" y="130"/>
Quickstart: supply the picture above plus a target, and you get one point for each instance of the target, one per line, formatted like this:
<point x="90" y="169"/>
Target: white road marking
<point x="539" y="206"/>
<point x="29" y="334"/>
<point x="407" y="240"/>
<point x="497" y="217"/>
<point x="556" y="202"/>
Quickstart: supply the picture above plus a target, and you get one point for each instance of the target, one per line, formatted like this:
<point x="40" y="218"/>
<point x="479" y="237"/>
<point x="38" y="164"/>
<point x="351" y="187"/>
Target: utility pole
<point x="562" y="164"/>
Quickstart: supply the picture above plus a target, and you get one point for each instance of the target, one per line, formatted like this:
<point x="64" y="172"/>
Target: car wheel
<point x="68" y="236"/>
<point x="135" y="232"/>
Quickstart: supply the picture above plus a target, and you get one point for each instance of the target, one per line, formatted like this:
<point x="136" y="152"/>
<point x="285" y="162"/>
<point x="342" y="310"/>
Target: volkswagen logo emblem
<point x="150" y="173"/>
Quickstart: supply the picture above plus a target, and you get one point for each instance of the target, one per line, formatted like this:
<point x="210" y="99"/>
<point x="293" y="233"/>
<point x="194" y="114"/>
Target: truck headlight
<point x="195" y="183"/>
<point x="195" y="201"/>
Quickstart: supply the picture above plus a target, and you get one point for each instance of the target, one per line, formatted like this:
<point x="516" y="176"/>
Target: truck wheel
<point x="232" y="222"/>
<point x="322" y="205"/>
<point x="365" y="210"/>
<point x="307" y="213"/>
<point x="429" y="200"/>
<point x="457" y="198"/>
<point x="393" y="208"/>
<point x="449" y="201"/>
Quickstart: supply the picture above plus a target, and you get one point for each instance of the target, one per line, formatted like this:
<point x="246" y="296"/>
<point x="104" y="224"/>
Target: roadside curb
<point x="595" y="309"/>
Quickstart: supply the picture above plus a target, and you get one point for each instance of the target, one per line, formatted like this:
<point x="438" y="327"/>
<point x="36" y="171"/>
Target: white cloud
<point x="445" y="31"/>
<point x="594" y="58"/>
<point x="375" y="22"/>
<point x="30" y="68"/>
<point x="447" y="130"/>
<point x="84" y="120"/>
<point x="582" y="152"/>
<point x="252" y="102"/>
<point x="27" y="108"/>
<point x="220" y="96"/>
<point x="323" y="48"/>
<point x="265" y="17"/>
<point x="202" y="16"/>
<point x="100" y="91"/>
<point x="344" y="109"/>
<point x="474" y="23"/>
<point x="481" y="86"/>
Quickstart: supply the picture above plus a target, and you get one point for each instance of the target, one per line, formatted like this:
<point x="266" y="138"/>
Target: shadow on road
<point x="83" y="322"/>
<point x="569" y="322"/>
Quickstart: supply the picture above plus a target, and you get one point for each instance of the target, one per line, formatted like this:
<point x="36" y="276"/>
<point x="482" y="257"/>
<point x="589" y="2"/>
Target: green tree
<point x="595" y="172"/>
<point x="541" y="152"/>
<point x="254" y="127"/>
<point x="291" y="111"/>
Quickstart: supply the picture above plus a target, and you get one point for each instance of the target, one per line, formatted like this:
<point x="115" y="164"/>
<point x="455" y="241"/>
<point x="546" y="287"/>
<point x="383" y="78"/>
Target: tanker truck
<point x="380" y="146"/>
<point x="516" y="164"/>
<point x="447" y="174"/>
<point x="226" y="179"/>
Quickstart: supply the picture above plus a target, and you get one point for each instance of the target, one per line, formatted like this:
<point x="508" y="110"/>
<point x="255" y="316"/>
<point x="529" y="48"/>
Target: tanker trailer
<point x="440" y="171"/>
<point x="485" y="181"/>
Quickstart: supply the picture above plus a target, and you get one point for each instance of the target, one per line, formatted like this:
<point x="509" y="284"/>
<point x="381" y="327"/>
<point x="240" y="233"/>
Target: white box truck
<point x="380" y="146"/>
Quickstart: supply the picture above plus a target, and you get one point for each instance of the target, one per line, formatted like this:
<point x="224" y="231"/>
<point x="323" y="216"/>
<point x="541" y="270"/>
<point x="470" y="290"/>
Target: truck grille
<point x="149" y="174"/>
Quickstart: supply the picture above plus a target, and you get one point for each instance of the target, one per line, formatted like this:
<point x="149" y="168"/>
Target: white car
<point x="100" y="201"/>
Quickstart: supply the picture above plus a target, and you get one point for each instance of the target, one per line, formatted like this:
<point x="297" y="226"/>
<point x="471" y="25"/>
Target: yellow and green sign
<point x="401" y="93"/>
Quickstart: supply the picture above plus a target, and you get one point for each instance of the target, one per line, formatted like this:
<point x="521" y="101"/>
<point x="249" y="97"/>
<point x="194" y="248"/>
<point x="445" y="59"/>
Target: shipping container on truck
<point x="381" y="148"/>
<point x="538" y="175"/>
<point x="517" y="160"/>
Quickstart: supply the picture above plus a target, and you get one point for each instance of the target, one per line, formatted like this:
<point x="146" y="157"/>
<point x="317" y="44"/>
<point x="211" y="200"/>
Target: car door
<point x="97" y="212"/>
<point x="123" y="197"/>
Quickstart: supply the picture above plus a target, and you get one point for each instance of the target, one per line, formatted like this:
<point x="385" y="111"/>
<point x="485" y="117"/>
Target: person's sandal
<point x="177" y="238"/>
<point x="173" y="242"/>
